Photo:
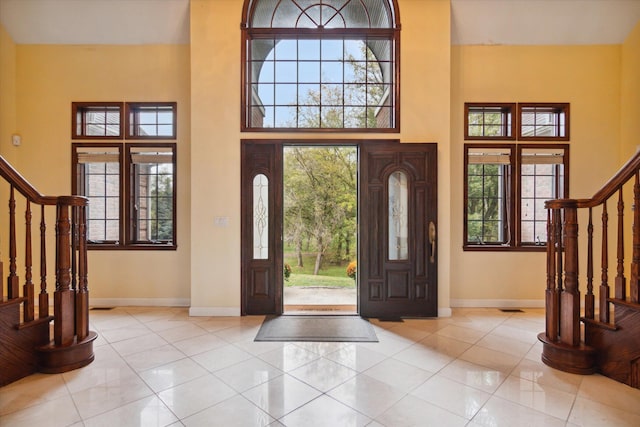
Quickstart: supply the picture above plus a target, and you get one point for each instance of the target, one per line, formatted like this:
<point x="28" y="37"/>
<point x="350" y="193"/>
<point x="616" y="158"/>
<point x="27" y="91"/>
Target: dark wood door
<point x="261" y="228"/>
<point x="398" y="226"/>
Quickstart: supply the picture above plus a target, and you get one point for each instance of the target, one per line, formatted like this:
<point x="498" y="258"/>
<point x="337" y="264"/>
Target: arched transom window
<point x="320" y="65"/>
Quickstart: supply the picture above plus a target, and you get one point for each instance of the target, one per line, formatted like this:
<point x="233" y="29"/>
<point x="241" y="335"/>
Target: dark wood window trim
<point x="132" y="110"/>
<point x="507" y="123"/>
<point x="512" y="206"/>
<point x="529" y="131"/>
<point x="249" y="34"/>
<point x="79" y="111"/>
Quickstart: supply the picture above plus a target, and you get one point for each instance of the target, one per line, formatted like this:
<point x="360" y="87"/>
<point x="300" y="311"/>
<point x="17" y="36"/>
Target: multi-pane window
<point x="489" y="121"/>
<point x="96" y="120"/>
<point x="320" y="65"/>
<point x="130" y="185"/>
<point x="505" y="190"/>
<point x="543" y="122"/>
<point x="151" y="120"/>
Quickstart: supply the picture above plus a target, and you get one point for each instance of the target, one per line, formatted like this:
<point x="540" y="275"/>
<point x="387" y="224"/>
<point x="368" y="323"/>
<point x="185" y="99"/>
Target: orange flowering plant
<point x="352" y="269"/>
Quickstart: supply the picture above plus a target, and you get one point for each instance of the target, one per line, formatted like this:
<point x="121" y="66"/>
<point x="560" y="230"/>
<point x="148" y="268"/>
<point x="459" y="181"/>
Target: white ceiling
<point x="167" y="21"/>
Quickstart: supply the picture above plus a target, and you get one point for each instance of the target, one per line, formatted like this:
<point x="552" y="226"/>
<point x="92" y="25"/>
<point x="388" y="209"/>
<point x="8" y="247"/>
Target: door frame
<point x="262" y="280"/>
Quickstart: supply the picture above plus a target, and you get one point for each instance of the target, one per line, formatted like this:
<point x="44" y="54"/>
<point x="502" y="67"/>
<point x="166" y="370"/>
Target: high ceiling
<point x="167" y="21"/>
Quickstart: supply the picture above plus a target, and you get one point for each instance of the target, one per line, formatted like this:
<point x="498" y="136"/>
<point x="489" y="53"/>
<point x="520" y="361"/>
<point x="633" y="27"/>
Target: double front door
<point x="397" y="227"/>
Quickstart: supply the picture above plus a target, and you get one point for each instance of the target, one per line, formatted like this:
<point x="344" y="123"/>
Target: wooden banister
<point x="27" y="346"/>
<point x="600" y="349"/>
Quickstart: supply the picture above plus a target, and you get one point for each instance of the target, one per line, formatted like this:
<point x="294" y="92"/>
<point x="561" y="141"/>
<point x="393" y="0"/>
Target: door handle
<point x="432" y="241"/>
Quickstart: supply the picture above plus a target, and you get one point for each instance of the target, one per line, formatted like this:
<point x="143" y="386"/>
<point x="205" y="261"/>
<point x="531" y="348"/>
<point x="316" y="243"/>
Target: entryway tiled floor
<point x="159" y="367"/>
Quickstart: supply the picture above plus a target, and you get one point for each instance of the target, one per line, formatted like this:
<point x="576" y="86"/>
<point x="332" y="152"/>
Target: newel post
<point x="570" y="296"/>
<point x="63" y="297"/>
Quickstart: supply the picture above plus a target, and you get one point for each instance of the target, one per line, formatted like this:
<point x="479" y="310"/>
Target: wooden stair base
<point x="618" y="350"/>
<point x="54" y="359"/>
<point x="576" y="360"/>
<point x="18" y="341"/>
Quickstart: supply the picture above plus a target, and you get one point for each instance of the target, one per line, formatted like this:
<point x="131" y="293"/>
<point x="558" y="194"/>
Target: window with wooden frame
<point x="150" y="120"/>
<point x="320" y="65"/>
<point x="97" y="120"/>
<point x="131" y="191"/>
<point x="130" y="182"/>
<point x="505" y="187"/>
<point x="543" y="122"/>
<point x="491" y="121"/>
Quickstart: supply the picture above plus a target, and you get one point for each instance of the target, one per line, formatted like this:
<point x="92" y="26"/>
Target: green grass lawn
<point x="334" y="276"/>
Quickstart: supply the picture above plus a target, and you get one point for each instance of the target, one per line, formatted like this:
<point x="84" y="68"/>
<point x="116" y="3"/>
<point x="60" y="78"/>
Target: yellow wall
<point x="215" y="98"/>
<point x="585" y="76"/>
<point x="7" y="94"/>
<point x="38" y="84"/>
<point x="630" y="95"/>
<point x="49" y="78"/>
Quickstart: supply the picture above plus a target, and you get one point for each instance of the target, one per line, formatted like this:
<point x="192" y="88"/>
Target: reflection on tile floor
<point x="156" y="366"/>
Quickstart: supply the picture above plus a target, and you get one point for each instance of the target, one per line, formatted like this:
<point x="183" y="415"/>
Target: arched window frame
<point x="250" y="33"/>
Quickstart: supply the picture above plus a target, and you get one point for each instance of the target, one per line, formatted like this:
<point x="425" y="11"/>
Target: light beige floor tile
<point x="611" y="393"/>
<point x="165" y="324"/>
<point x="367" y="395"/>
<point x="321" y="348"/>
<point x="476" y="376"/>
<point x="138" y="344"/>
<point x="105" y="397"/>
<point x="491" y="359"/>
<point x="398" y="374"/>
<point x="238" y="333"/>
<point x="199" y="344"/>
<point x="181" y="333"/>
<point x="588" y="413"/>
<point x="542" y="398"/>
<point x="424" y="358"/>
<point x="356" y="357"/>
<point x="498" y="412"/>
<point x="457" y="398"/>
<point x="101" y="371"/>
<point x="542" y="374"/>
<point x="196" y="395"/>
<point x="526" y="336"/>
<point x="121" y="334"/>
<point x="172" y="374"/>
<point x="234" y="412"/>
<point x="58" y="412"/>
<point x="258" y="347"/>
<point x="323" y="374"/>
<point x="460" y="333"/>
<point x="411" y="411"/>
<point x="220" y="358"/>
<point x="30" y="391"/>
<point x="281" y="395"/>
<point x="449" y="346"/>
<point x="289" y="357"/>
<point x="248" y="374"/>
<point x="505" y="345"/>
<point x="152" y="358"/>
<point x="149" y="411"/>
<point x="389" y="344"/>
<point x="325" y="412"/>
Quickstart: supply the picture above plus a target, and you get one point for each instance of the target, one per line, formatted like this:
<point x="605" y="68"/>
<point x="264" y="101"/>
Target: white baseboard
<point x="215" y="311"/>
<point x="139" y="302"/>
<point x="444" y="311"/>
<point x="498" y="303"/>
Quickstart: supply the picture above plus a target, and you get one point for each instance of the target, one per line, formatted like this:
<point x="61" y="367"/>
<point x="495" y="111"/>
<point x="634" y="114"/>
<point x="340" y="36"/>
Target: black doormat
<point x="316" y="328"/>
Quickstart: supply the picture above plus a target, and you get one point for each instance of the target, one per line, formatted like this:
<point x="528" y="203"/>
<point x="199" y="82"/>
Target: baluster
<point x="43" y="298"/>
<point x="570" y="297"/>
<point x="82" y="294"/>
<point x="74" y="247"/>
<point x="589" y="301"/>
<point x="551" y="293"/>
<point x="27" y="288"/>
<point x="12" y="280"/>
<point x="558" y="213"/>
<point x="621" y="281"/>
<point x="635" y="263"/>
<point x="604" y="284"/>
<point x="63" y="296"/>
